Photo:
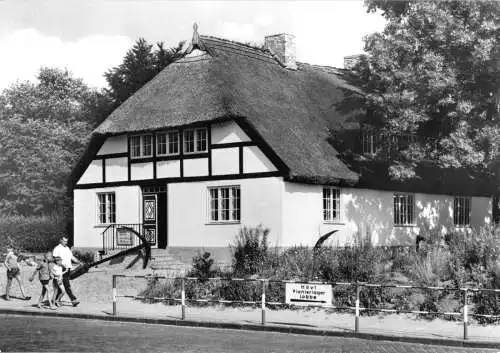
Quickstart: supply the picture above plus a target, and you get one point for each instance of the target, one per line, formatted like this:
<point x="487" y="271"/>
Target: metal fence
<point x="464" y="314"/>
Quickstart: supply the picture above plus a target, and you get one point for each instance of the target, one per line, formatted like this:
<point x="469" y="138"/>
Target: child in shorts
<point x="13" y="271"/>
<point x="44" y="275"/>
<point x="57" y="274"/>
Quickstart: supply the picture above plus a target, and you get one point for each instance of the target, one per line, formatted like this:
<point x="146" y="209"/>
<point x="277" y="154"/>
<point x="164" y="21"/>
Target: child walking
<point x="57" y="274"/>
<point x="44" y="269"/>
<point x="13" y="271"/>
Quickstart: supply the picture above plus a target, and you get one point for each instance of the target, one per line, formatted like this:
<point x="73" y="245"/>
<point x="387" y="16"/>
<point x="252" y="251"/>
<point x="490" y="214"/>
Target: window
<point x="106" y="208"/>
<point x="195" y="140"/>
<point x="224" y="204"/>
<point x="404" y="209"/>
<point x="369" y="142"/>
<point x="141" y="146"/>
<point x="167" y="143"/>
<point x="461" y="211"/>
<point x="331" y="204"/>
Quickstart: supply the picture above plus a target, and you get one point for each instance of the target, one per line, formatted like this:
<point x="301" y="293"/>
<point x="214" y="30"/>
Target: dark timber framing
<point x="256" y="140"/>
<point x="240" y="159"/>
<point x="129" y="168"/>
<point x="112" y="155"/>
<point x="103" y="170"/>
<point x="209" y="148"/>
<point x="182" y="179"/>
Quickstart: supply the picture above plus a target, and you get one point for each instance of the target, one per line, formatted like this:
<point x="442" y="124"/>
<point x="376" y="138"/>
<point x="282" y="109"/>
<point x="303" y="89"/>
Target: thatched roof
<point x="291" y="110"/>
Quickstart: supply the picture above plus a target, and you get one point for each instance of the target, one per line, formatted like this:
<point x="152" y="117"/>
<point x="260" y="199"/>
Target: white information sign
<point x="308" y="294"/>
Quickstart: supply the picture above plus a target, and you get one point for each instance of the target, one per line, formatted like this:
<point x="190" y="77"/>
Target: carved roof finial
<point x="195" y="42"/>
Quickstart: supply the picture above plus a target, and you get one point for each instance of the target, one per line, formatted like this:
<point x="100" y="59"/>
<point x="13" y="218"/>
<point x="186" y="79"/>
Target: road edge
<point x="268" y="328"/>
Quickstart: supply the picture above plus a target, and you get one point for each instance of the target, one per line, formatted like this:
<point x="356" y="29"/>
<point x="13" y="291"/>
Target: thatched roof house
<point x="233" y="135"/>
<point x="291" y="110"/>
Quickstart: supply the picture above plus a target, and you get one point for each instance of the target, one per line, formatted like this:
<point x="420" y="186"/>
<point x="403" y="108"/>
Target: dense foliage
<point x="139" y="66"/>
<point x="433" y="72"/>
<point x="44" y="128"/>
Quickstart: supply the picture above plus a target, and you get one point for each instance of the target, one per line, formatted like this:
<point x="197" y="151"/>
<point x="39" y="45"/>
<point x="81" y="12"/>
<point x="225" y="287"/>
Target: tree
<point x="434" y="72"/>
<point x="44" y="128"/>
<point x="57" y="96"/>
<point x="139" y="66"/>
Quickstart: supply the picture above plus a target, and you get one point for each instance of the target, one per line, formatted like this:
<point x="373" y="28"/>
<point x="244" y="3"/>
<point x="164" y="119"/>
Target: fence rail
<point x="357" y="309"/>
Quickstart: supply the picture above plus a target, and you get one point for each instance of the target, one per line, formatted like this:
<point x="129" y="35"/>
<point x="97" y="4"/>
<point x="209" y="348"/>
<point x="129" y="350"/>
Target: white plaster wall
<point x="255" y="161"/>
<point x="482" y="211"/>
<point x="116" y="169"/>
<point x="195" y="167"/>
<point x="93" y="173"/>
<point x="141" y="171"/>
<point x="114" y="144"/>
<point x="227" y="132"/>
<point x="225" y="161"/>
<point x="365" y="211"/>
<point x="188" y="212"/>
<point x="86" y="231"/>
<point x="168" y="169"/>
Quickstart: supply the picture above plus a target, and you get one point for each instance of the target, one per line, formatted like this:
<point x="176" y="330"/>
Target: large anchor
<point x="84" y="268"/>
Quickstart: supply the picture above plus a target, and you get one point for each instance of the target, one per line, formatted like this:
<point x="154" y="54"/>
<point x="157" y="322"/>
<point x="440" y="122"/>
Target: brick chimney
<point x="283" y="47"/>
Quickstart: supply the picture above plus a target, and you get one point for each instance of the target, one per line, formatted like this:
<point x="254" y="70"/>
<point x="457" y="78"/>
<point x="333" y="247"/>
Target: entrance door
<point x="150" y="213"/>
<point x="154" y="210"/>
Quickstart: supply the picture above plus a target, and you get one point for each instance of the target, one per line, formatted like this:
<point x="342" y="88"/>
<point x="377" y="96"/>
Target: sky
<point x="90" y="37"/>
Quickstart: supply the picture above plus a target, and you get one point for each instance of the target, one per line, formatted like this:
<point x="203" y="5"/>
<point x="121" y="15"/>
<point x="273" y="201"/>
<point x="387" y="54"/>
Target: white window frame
<point x="462" y="210"/>
<point x="142" y="145"/>
<point x="404" y="209"/>
<point x="332" y="205"/>
<point x="168" y="144"/>
<point x="109" y="208"/>
<point x="221" y="215"/>
<point x="196" y="140"/>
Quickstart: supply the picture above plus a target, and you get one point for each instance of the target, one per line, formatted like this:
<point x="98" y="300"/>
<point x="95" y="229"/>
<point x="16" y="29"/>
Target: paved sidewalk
<point x="94" y="290"/>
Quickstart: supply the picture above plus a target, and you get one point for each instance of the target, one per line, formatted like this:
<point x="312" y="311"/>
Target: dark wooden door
<point x="150" y="217"/>
<point x="162" y="220"/>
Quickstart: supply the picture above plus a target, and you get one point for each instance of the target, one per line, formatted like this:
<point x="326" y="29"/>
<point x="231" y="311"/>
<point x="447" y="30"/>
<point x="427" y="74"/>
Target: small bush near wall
<point x="34" y="233"/>
<point x="250" y="250"/>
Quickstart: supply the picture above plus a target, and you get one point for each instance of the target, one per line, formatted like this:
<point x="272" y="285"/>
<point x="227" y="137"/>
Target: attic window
<point x="141" y="146"/>
<point x="369" y="142"/>
<point x="167" y="143"/>
<point x="195" y="140"/>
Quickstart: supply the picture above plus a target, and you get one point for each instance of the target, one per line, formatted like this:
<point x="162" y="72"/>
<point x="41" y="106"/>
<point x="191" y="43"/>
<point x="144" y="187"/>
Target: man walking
<point x="64" y="252"/>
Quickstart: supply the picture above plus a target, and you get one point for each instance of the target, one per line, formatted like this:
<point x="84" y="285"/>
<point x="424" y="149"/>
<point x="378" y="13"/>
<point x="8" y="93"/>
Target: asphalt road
<point x="41" y="334"/>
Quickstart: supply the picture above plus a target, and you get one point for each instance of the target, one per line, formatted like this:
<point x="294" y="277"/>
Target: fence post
<point x="356" y="322"/>
<point x="465" y="314"/>
<point x="183" y="299"/>
<point x="114" y="295"/>
<point x="263" y="302"/>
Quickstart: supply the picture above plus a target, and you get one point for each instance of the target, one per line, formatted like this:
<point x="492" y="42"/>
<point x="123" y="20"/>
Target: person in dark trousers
<point x="67" y="259"/>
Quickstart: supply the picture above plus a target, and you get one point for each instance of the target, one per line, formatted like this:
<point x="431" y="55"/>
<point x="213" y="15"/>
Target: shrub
<point x="202" y="267"/>
<point x="431" y="268"/>
<point x="160" y="289"/>
<point x="250" y="250"/>
<point x="34" y="233"/>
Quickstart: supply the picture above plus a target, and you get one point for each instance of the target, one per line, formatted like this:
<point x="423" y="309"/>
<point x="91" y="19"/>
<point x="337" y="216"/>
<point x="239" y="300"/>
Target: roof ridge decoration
<point x="196" y="43"/>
